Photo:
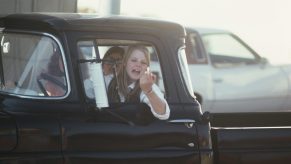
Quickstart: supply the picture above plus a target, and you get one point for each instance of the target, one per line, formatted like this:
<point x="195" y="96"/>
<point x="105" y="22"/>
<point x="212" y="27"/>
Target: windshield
<point x="32" y="65"/>
<point x="185" y="71"/>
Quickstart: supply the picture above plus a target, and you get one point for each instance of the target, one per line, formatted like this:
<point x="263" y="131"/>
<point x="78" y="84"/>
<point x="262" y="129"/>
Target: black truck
<point x="75" y="126"/>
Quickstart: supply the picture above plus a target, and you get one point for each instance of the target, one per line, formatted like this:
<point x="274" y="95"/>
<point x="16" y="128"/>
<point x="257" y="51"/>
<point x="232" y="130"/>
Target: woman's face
<point x="136" y="65"/>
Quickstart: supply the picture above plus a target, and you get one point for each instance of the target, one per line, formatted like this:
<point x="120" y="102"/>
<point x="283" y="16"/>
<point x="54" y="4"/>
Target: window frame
<point x="194" y="43"/>
<point x="62" y="53"/>
<point x="184" y="66"/>
<point x="148" y="42"/>
<point x="254" y="60"/>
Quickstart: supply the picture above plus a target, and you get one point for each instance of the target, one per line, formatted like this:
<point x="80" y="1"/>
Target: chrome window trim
<point x="64" y="62"/>
<point x="186" y="79"/>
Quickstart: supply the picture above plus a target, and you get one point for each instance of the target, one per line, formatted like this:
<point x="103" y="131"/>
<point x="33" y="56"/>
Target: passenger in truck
<point x="136" y="83"/>
<point x="111" y="63"/>
<point x="52" y="82"/>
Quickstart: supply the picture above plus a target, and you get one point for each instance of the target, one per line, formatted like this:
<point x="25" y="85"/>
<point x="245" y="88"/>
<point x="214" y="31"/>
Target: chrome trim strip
<point x="182" y="121"/>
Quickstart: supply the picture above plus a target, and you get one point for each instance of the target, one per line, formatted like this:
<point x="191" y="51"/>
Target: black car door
<point x="128" y="133"/>
<point x="28" y="137"/>
<point x="8" y="135"/>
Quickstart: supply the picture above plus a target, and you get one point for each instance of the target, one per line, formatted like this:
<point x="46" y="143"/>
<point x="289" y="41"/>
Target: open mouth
<point x="136" y="71"/>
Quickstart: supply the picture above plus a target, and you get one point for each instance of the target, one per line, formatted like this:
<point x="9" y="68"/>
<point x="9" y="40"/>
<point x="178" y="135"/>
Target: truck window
<point x="32" y="66"/>
<point x="88" y="51"/>
<point x="226" y="51"/>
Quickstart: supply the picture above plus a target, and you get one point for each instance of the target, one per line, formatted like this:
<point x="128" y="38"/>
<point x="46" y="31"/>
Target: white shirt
<point x="88" y="85"/>
<point x="144" y="99"/>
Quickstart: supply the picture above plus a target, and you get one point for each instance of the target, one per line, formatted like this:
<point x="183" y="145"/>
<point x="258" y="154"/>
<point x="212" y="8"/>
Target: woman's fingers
<point x="147" y="80"/>
<point x="148" y="76"/>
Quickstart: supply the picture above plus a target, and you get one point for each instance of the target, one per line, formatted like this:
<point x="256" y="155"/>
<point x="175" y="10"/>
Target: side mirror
<point x="263" y="61"/>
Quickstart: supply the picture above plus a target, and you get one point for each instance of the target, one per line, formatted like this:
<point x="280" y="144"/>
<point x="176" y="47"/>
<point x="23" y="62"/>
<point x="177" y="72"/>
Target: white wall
<point x="17" y="6"/>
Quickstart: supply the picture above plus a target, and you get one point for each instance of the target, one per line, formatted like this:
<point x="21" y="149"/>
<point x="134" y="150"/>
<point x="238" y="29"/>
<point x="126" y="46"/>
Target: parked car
<point x="229" y="76"/>
<point x="71" y="125"/>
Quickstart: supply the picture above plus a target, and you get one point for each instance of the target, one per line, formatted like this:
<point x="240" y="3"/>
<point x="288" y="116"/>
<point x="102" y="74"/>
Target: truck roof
<point x="85" y="22"/>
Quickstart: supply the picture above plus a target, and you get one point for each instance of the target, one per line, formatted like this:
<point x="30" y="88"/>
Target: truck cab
<point x="76" y="123"/>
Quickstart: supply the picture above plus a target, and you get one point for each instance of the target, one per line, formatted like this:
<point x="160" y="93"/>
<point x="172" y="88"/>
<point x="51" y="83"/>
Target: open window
<point x="93" y="51"/>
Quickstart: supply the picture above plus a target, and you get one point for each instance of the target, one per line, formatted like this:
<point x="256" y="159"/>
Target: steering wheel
<point x="50" y="78"/>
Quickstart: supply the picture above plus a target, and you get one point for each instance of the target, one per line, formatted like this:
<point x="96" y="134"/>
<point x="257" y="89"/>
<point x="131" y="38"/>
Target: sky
<point x="265" y="25"/>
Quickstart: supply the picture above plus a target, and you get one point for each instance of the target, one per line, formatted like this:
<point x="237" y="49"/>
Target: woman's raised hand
<point x="146" y="81"/>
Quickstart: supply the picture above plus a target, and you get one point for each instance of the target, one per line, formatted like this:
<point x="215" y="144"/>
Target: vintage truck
<point x="74" y="126"/>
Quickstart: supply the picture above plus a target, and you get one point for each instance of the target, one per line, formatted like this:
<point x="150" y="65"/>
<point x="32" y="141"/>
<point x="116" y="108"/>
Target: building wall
<point x="19" y="6"/>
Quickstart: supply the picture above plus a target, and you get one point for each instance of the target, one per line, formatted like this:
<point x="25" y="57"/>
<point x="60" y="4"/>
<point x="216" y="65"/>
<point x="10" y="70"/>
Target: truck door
<point x="29" y="138"/>
<point x="126" y="132"/>
<point x="119" y="135"/>
<point x="8" y="137"/>
<point x="39" y="139"/>
<point x="28" y="134"/>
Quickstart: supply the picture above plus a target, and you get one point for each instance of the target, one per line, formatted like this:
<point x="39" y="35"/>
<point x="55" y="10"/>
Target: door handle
<point x="217" y="80"/>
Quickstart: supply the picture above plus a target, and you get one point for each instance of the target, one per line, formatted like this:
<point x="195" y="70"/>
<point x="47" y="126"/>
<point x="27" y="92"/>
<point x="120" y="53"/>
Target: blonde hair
<point x="122" y="80"/>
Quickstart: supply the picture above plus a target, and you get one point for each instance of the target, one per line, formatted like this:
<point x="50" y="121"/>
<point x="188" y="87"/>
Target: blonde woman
<point x="135" y="83"/>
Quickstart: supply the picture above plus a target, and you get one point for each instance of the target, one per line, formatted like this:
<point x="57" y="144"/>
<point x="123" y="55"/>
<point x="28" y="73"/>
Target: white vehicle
<point x="228" y="76"/>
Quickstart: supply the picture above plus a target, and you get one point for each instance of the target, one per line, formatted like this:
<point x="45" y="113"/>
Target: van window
<point x="194" y="50"/>
<point x="225" y="50"/>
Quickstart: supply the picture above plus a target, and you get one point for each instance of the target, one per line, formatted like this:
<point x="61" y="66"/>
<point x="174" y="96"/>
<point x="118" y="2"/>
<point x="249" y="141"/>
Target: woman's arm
<point x="153" y="96"/>
<point x="157" y="103"/>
